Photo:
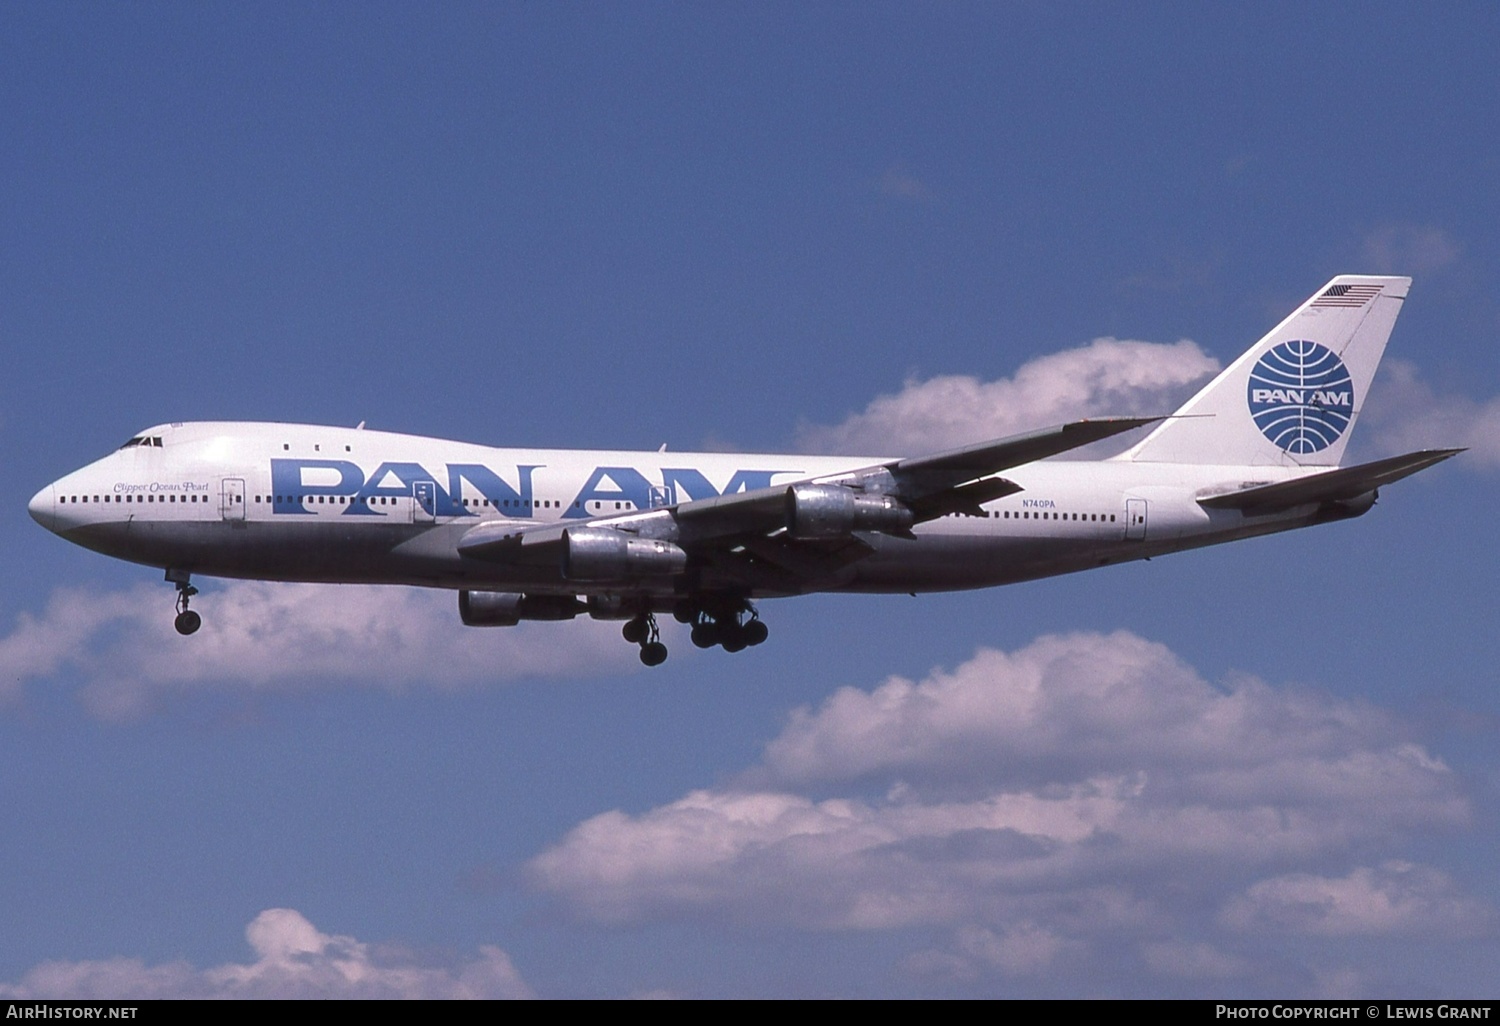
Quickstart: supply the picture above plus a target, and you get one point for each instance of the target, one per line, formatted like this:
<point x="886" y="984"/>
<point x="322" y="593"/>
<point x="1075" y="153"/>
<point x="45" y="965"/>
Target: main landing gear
<point x="732" y="624"/>
<point x="642" y="631"/>
<point x="732" y="627"/>
<point x="187" y="621"/>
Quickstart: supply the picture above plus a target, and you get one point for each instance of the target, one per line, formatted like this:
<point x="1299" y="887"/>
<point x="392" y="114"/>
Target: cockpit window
<point x="153" y="440"/>
<point x="137" y="440"/>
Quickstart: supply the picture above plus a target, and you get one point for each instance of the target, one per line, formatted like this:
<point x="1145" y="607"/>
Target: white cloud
<point x="41" y="646"/>
<point x="899" y="183"/>
<point x="1108" y="376"/>
<point x="1089" y="707"/>
<point x="1194" y="961"/>
<point x="1406" y="413"/>
<point x="262" y="636"/>
<point x="1396" y="898"/>
<point x="1082" y="789"/>
<point x="1023" y="949"/>
<point x="1407" y="249"/>
<point x="292" y="960"/>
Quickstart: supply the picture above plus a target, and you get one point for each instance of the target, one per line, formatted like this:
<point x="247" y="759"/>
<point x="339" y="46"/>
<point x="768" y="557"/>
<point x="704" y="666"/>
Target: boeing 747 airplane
<point x="549" y="534"/>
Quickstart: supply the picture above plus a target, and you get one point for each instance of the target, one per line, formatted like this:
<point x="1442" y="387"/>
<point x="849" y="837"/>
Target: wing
<point x="955" y="481"/>
<point x="786" y="535"/>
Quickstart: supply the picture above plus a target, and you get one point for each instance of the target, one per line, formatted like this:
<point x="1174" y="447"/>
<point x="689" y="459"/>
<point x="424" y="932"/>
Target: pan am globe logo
<point x="1301" y="397"/>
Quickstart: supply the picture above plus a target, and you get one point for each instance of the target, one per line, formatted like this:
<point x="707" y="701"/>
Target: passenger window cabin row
<point x="384" y="500"/>
<point x="148" y="497"/>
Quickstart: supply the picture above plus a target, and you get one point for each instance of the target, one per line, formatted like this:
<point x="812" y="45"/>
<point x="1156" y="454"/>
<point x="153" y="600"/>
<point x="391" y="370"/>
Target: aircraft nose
<point x="43" y="508"/>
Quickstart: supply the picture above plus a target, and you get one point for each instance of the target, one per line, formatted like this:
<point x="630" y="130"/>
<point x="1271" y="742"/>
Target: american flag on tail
<point x="1347" y="295"/>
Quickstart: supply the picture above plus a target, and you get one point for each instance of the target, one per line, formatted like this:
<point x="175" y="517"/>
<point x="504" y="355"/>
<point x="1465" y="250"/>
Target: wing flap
<point x="809" y="560"/>
<point x="507" y="541"/>
<point x="758" y="511"/>
<point x="1329" y="486"/>
<point x="967" y="499"/>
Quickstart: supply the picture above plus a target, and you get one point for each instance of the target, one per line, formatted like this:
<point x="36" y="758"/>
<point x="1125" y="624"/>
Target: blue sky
<point x="1263" y="769"/>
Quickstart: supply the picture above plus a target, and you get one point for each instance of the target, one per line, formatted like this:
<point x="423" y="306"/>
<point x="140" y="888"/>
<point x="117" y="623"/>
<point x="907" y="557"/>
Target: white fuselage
<point x="293" y="502"/>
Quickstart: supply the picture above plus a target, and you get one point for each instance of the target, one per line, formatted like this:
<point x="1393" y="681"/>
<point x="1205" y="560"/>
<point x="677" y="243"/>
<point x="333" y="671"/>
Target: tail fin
<point x="1292" y="399"/>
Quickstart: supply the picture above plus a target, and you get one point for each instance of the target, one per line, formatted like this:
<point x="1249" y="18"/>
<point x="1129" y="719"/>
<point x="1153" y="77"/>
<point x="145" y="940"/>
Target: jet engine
<point x="507" y="608"/>
<point x="597" y="554"/>
<point x="833" y="511"/>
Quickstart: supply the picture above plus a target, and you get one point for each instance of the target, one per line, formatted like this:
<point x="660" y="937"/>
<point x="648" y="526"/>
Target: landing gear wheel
<point x="732" y="624"/>
<point x="732" y="637"/>
<point x="755" y="632"/>
<point x="642" y="631"/>
<point x="187" y="621"/>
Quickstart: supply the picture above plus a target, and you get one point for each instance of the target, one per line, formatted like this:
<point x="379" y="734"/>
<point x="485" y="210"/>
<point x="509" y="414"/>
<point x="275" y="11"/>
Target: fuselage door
<point x="1135" y="519"/>
<point x="663" y="495"/>
<point x="232" y="498"/>
<point x="423" y="502"/>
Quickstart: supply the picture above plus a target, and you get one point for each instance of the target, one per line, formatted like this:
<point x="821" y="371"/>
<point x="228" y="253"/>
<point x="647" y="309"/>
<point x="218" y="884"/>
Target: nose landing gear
<point x="187" y="621"/>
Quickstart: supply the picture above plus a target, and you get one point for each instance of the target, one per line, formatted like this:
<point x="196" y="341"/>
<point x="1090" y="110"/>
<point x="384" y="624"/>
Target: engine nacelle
<point x="833" y="511"/>
<point x="600" y="554"/>
<point x="506" y="608"/>
<point x="1347" y="509"/>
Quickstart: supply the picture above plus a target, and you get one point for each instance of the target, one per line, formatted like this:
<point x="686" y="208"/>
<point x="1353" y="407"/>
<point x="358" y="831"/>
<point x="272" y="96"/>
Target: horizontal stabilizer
<point x="1329" y="486"/>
